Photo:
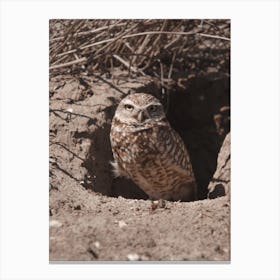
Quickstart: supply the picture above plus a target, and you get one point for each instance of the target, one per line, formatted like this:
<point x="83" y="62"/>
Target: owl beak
<point x="142" y="116"/>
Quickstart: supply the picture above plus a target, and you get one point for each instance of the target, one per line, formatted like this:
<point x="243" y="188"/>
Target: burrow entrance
<point x="198" y="109"/>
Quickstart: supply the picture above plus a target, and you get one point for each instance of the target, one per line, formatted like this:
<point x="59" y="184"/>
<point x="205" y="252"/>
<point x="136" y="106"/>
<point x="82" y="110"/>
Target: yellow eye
<point x="152" y="108"/>
<point x="128" y="107"/>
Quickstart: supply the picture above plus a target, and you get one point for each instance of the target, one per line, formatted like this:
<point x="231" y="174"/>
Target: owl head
<point x="140" y="109"/>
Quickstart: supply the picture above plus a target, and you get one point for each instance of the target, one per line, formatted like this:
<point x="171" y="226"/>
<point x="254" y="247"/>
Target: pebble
<point x="133" y="257"/>
<point x="55" y="223"/>
<point x="122" y="224"/>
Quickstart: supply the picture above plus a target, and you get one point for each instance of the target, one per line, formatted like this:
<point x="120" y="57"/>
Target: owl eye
<point x="128" y="107"/>
<point x="152" y="108"/>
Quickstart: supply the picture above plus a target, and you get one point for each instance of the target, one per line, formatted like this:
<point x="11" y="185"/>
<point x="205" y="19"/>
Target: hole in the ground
<point x="191" y="112"/>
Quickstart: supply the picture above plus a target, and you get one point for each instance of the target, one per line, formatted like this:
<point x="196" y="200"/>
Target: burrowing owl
<point x="147" y="150"/>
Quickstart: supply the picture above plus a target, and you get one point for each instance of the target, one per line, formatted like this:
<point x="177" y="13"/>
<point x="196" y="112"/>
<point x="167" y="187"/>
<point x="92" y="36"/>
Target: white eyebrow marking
<point x="129" y="102"/>
<point x="152" y="103"/>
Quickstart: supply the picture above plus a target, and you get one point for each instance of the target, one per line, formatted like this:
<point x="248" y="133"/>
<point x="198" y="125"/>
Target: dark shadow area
<point x="219" y="190"/>
<point x="192" y="113"/>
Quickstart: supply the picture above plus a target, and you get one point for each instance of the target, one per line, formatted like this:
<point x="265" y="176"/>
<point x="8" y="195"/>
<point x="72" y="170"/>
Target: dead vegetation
<point x="165" y="50"/>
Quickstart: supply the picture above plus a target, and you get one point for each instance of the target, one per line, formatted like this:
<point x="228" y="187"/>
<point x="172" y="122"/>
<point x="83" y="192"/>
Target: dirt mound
<point x="93" y="227"/>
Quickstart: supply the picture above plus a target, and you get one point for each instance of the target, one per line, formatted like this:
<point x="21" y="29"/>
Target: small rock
<point x="145" y="258"/>
<point x="70" y="110"/>
<point x="133" y="257"/>
<point x="97" y="244"/>
<point x="122" y="224"/>
<point x="55" y="223"/>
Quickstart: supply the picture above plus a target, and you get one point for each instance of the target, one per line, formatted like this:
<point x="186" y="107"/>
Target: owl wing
<point x="173" y="148"/>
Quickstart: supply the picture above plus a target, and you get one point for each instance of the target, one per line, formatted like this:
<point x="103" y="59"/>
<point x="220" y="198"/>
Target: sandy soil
<point x="94" y="217"/>
<point x="96" y="227"/>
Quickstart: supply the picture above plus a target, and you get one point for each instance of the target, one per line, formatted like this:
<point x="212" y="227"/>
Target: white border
<point x="24" y="138"/>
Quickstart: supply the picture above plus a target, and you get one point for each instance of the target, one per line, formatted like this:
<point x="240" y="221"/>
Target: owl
<point x="148" y="151"/>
